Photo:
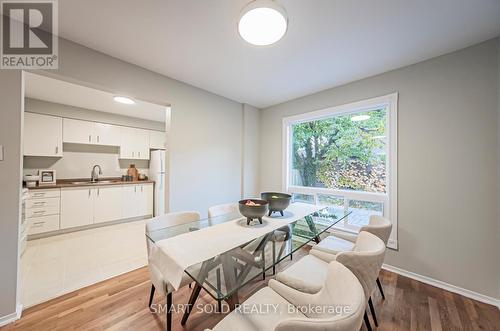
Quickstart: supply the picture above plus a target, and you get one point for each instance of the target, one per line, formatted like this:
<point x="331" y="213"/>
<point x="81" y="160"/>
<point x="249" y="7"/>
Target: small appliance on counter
<point x="31" y="180"/>
<point x="47" y="177"/>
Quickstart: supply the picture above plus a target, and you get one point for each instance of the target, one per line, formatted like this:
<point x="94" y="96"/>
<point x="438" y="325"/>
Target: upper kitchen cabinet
<point x="107" y="134"/>
<point x="134" y="144"/>
<point x="85" y="132"/>
<point x="157" y="139"/>
<point x="43" y="135"/>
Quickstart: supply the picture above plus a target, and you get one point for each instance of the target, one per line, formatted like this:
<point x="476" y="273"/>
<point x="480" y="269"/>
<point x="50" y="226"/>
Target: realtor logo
<point x="29" y="35"/>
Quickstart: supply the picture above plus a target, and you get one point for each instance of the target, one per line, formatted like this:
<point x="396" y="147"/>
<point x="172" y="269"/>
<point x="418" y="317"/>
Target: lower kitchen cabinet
<point x="108" y="201"/>
<point x="77" y="207"/>
<point x="82" y="206"/>
<point x="137" y="200"/>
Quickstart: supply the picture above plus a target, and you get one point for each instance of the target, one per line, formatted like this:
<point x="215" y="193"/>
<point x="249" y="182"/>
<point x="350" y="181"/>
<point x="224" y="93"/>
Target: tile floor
<point x="57" y="265"/>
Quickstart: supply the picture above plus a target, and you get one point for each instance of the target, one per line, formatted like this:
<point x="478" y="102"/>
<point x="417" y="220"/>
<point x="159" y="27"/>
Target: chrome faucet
<point x="94" y="177"/>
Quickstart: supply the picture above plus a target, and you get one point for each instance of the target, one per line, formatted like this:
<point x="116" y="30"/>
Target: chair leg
<point x="169" y="311"/>
<point x="151" y="295"/>
<point x="380" y="288"/>
<point x="370" y="303"/>
<point x="367" y="322"/>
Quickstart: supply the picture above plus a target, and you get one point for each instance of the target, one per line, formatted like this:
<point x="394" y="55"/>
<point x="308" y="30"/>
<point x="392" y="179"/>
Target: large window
<point x="345" y="157"/>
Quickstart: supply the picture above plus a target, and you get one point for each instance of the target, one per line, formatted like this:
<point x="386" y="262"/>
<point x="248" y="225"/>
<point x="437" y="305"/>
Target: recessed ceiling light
<point x="263" y="22"/>
<point x="124" y="100"/>
<point x="359" y="118"/>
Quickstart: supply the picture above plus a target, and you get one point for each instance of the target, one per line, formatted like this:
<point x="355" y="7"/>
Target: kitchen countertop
<point x="81" y="182"/>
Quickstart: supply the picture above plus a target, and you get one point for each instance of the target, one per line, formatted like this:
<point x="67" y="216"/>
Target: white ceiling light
<point x="263" y="22"/>
<point x="359" y="118"/>
<point x="124" y="100"/>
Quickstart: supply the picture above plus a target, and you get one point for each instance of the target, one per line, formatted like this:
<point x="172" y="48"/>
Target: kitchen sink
<point x="89" y="182"/>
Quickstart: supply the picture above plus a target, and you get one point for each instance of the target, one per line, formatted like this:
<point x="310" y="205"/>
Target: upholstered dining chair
<point x="341" y="242"/>
<point x="227" y="208"/>
<point x="337" y="306"/>
<point x="365" y="261"/>
<point x="158" y="281"/>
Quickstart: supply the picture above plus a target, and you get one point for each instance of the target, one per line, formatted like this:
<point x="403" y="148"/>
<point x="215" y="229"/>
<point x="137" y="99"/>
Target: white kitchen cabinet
<point x="157" y="139"/>
<point x="77" y="131"/>
<point x="129" y="201"/>
<point x="77" y="207"/>
<point x="138" y="200"/>
<point x="108" y="203"/>
<point x="145" y="199"/>
<point x="134" y="144"/>
<point x="85" y="132"/>
<point x="106" y="134"/>
<point x="43" y="135"/>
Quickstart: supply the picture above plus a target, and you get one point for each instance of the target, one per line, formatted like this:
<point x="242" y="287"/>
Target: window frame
<point x="389" y="199"/>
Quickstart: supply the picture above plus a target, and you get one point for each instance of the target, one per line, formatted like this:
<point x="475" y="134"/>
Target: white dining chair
<point x="227" y="208"/>
<point x="337" y="306"/>
<point x="365" y="261"/>
<point x="341" y="242"/>
<point x="158" y="281"/>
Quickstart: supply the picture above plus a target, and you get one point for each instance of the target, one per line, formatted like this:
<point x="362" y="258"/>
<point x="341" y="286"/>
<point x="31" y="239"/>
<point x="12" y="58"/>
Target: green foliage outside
<point x="341" y="153"/>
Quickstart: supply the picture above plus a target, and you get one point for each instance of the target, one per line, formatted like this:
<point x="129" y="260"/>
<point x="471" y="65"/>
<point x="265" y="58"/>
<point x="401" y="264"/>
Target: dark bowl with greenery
<point x="278" y="202"/>
<point x="253" y="209"/>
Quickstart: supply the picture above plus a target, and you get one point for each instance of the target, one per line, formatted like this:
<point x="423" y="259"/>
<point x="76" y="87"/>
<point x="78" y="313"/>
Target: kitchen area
<point x="95" y="167"/>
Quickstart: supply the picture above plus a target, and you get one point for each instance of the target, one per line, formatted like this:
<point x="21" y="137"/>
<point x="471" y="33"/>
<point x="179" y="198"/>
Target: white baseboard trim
<point x="445" y="286"/>
<point x="4" y="320"/>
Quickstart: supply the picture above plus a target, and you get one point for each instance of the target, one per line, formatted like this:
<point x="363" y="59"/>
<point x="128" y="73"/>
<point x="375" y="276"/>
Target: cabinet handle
<point x="38" y="224"/>
<point x="39" y="194"/>
<point x="89" y="193"/>
<point x="98" y="191"/>
<point x="57" y="149"/>
<point x="41" y="203"/>
<point x="97" y="138"/>
<point x="135" y="189"/>
<point x="142" y="188"/>
<point x="133" y="154"/>
<point x="139" y="154"/>
<point x="90" y="137"/>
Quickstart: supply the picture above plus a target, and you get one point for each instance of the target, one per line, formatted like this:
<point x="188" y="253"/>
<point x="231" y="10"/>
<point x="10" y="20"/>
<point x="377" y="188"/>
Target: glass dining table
<point x="223" y="275"/>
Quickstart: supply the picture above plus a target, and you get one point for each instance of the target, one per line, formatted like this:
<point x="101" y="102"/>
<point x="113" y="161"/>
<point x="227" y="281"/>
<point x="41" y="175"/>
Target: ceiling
<point x="328" y="43"/>
<point x="53" y="90"/>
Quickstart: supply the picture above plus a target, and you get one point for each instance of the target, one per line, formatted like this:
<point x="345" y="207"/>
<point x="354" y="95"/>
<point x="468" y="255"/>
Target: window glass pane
<point x="336" y="202"/>
<point x="298" y="197"/>
<point x="347" y="151"/>
<point x="361" y="211"/>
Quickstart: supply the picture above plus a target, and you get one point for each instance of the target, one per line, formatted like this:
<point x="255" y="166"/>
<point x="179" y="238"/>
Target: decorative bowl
<point x="277" y="201"/>
<point x="252" y="212"/>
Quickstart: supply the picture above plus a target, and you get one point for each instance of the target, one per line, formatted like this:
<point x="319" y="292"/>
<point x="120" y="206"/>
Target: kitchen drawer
<point x="42" y="211"/>
<point x="40" y="194"/>
<point x="48" y="202"/>
<point x="43" y="224"/>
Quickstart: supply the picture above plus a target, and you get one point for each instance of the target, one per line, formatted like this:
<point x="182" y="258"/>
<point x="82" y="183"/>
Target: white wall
<point x="11" y="103"/>
<point x="447" y="162"/>
<point x="251" y="151"/>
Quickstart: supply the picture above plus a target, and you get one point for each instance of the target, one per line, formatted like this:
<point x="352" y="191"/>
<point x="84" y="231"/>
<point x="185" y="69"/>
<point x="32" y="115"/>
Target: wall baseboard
<point x="445" y="286"/>
<point x="7" y="319"/>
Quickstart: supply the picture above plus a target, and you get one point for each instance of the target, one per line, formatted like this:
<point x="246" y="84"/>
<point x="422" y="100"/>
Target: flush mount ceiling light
<point x="262" y="22"/>
<point x="124" y="100"/>
<point x="359" y="118"/>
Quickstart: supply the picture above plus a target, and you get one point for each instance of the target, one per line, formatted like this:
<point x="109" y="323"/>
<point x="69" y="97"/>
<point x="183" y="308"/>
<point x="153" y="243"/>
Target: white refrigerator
<point x="157" y="173"/>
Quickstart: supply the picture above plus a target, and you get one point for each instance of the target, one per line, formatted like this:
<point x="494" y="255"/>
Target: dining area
<point x="315" y="280"/>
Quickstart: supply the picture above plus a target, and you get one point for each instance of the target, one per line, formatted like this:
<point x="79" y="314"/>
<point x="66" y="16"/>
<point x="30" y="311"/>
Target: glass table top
<point x="222" y="275"/>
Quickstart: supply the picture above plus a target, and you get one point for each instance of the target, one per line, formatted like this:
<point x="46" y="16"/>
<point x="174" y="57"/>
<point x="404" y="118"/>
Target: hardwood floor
<point x="121" y="304"/>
